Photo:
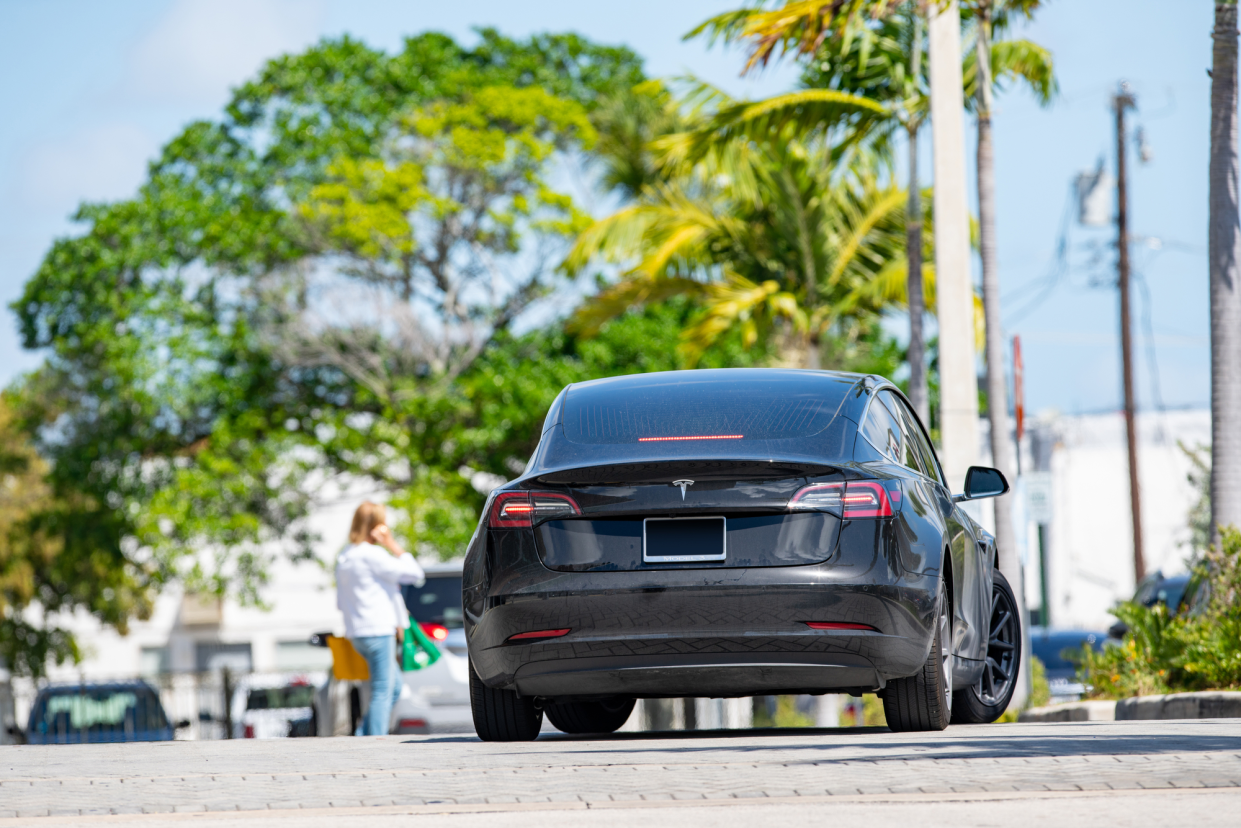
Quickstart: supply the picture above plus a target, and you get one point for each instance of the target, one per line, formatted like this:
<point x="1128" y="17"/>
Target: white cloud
<point x="103" y="162"/>
<point x="201" y="48"/>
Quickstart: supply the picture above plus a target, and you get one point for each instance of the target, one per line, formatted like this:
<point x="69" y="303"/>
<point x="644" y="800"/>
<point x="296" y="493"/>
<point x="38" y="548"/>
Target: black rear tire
<point x="502" y="715"/>
<point x="987" y="700"/>
<point x="923" y="701"/>
<point x="590" y="717"/>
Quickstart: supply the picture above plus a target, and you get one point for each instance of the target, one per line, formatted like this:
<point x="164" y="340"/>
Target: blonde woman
<point x="368" y="580"/>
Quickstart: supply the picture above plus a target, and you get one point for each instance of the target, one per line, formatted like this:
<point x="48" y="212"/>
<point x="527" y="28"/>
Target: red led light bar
<point x="698" y="437"/>
<point x="839" y="625"/>
<point x="526" y="636"/>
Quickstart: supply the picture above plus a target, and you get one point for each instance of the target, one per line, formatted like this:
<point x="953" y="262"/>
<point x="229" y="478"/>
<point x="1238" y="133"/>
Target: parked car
<point x="127" y="711"/>
<point x="1179" y="593"/>
<point x="274" y="706"/>
<point x="734" y="533"/>
<point x="1060" y="652"/>
<point x="439" y="694"/>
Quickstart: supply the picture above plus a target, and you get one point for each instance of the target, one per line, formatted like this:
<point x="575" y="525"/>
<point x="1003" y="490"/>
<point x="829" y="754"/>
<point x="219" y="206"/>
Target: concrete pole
<point x="958" y="378"/>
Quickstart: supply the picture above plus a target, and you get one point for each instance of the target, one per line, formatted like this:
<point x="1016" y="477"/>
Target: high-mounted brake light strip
<point x="698" y="437"/>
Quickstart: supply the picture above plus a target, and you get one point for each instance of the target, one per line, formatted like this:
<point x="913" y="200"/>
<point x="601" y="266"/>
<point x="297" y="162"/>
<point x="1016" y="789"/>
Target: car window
<point x="882" y="431"/>
<point x="438" y="601"/>
<point x="279" y="698"/>
<point x="910" y="456"/>
<point x="917" y="437"/>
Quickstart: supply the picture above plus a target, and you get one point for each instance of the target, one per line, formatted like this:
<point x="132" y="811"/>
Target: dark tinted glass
<point x="910" y="456"/>
<point x="710" y="407"/>
<point x="882" y="431"/>
<point x="275" y="698"/>
<point x="97" y="710"/>
<point x="916" y="438"/>
<point x="438" y="601"/>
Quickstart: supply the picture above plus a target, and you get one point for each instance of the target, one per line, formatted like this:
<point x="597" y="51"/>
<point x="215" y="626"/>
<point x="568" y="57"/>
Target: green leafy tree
<point x="208" y="358"/>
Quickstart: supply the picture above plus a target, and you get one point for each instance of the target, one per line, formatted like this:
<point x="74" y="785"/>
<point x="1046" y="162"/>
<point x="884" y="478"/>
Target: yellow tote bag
<point x="347" y="663"/>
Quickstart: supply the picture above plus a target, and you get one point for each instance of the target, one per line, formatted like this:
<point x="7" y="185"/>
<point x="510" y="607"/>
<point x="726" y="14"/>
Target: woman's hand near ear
<point x="382" y="535"/>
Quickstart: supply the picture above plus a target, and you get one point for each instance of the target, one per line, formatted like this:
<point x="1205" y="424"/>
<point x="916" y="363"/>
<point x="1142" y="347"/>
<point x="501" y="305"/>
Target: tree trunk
<point x="913" y="252"/>
<point x="1224" y="255"/>
<point x="997" y="387"/>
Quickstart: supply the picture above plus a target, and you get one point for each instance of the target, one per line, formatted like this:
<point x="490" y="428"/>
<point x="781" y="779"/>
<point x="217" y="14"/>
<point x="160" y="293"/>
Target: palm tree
<point x="779" y="230"/>
<point x="1225" y="264"/>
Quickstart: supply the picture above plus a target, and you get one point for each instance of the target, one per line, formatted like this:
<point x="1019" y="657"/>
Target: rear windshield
<point x="276" y="698"/>
<point x="98" y="709"/>
<point x="707" y="408"/>
<point x="438" y="601"/>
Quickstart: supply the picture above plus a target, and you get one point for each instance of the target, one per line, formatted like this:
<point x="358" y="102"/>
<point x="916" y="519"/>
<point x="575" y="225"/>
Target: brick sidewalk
<point x="350" y="773"/>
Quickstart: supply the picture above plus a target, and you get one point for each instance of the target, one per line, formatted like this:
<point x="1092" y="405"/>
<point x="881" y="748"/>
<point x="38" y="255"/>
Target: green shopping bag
<point x="417" y="650"/>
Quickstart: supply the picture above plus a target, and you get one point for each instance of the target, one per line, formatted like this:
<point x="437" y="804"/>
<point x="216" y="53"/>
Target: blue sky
<point x="92" y="90"/>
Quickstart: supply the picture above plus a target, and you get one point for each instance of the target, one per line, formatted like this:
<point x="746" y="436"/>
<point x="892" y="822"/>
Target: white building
<point x="1089" y="539"/>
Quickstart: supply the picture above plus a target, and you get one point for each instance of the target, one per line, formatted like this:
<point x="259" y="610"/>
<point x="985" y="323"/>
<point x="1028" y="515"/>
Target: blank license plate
<point x="678" y="540"/>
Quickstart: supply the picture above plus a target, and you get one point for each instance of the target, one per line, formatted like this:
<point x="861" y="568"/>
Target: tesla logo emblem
<point x="684" y="484"/>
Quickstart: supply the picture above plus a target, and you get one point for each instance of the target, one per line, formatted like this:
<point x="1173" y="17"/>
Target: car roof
<point x="731" y="374"/>
<point x="60" y="688"/>
<point x="443" y="568"/>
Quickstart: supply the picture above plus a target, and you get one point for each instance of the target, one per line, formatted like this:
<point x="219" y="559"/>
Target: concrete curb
<point x="1085" y="711"/>
<point x="1205" y="705"/>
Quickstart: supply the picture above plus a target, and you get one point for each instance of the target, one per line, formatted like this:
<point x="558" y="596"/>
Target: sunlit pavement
<point x="1078" y="773"/>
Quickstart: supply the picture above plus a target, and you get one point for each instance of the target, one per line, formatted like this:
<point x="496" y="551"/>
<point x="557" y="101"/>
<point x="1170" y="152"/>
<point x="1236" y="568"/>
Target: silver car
<point x="438" y="697"/>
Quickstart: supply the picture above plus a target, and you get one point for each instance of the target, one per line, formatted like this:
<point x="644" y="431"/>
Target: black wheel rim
<point x="1002" y="644"/>
<point x="945" y="648"/>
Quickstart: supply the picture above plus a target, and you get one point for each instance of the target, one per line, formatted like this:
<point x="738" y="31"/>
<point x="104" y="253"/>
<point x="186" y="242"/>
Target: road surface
<point x="1139" y="773"/>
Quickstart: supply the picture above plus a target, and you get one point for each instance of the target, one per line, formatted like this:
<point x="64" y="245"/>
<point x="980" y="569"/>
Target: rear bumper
<point x="716" y="633"/>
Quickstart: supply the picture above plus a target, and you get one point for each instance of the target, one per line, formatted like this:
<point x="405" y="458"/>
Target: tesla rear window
<point x="699" y="410"/>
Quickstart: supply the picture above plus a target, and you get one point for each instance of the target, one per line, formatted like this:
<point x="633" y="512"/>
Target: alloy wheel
<point x="945" y="648"/>
<point x="1002" y="643"/>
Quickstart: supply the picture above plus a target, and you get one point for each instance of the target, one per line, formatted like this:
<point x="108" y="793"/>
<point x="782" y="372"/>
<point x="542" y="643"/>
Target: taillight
<point x="518" y="510"/>
<point x="249" y="731"/>
<point x="854" y="499"/>
<point x="437" y="631"/>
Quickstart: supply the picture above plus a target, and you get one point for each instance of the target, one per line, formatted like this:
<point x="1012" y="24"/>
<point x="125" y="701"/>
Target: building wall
<point x="1089" y="539"/>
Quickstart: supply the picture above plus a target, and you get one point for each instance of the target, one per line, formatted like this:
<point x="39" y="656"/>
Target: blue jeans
<point x="380" y="654"/>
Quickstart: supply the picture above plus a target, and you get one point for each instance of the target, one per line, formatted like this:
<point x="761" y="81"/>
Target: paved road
<point x="1119" y="773"/>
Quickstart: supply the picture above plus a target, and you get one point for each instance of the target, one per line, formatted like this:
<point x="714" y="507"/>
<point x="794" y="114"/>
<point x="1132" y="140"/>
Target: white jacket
<point x="367" y="589"/>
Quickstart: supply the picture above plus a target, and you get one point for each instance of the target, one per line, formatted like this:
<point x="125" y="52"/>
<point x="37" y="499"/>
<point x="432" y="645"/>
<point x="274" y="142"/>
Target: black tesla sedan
<point x="734" y="533"/>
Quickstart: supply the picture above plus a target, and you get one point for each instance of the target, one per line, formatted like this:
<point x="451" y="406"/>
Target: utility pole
<point x="955" y="293"/>
<point x="1122" y="101"/>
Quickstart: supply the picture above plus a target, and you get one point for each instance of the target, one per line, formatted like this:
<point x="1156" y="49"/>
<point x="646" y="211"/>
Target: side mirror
<point x="981" y="482"/>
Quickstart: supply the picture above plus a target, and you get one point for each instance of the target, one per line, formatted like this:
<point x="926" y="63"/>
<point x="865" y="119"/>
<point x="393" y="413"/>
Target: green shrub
<point x="1200" y="649"/>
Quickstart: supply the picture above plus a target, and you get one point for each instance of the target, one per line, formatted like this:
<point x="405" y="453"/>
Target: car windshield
<point x="438" y="601"/>
<point x="98" y="709"/>
<point x="708" y="405"/>
<point x="275" y="698"/>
